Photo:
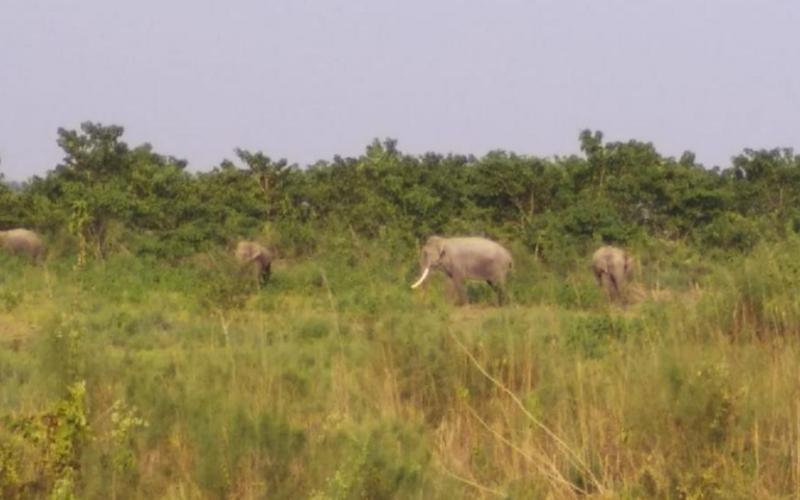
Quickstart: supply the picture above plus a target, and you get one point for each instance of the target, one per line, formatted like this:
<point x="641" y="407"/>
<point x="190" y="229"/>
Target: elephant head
<point x="252" y="253"/>
<point x="612" y="268"/>
<point x="431" y="256"/>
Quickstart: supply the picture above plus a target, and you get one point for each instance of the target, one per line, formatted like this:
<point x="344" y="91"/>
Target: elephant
<point x="22" y="242"/>
<point x="252" y="253"/>
<point x="612" y="268"/>
<point x="464" y="258"/>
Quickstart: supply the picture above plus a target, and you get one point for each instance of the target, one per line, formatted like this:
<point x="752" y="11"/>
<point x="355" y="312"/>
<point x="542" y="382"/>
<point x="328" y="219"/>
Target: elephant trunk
<point x="422" y="278"/>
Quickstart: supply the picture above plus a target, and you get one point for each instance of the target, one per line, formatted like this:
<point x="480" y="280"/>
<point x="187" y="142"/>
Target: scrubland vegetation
<point x="138" y="361"/>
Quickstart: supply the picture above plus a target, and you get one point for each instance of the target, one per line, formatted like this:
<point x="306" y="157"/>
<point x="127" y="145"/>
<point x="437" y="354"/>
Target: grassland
<point x="134" y="378"/>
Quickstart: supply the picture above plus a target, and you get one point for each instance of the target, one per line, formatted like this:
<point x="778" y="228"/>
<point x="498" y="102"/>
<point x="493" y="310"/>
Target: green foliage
<point x="336" y="381"/>
<point x="704" y="405"/>
<point x="125" y="421"/>
<point x="11" y="209"/>
<point x="9" y="299"/>
<point x="118" y="198"/>
<point x="754" y="301"/>
<point x="158" y="367"/>
<point x="58" y="437"/>
<point x="386" y="464"/>
<point x="225" y="283"/>
<point x="731" y="231"/>
<point x="63" y="350"/>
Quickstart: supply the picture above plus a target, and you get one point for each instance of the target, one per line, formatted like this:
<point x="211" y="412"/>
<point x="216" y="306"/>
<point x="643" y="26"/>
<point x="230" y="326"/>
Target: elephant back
<point x="22" y="241"/>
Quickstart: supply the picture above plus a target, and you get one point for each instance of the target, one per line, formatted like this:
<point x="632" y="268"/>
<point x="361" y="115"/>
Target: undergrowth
<point x="135" y="377"/>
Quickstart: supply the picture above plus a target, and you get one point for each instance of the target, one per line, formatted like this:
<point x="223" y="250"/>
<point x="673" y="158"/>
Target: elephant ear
<point x="441" y="248"/>
<point x="253" y="255"/>
<point x="444" y="256"/>
<point x="437" y="244"/>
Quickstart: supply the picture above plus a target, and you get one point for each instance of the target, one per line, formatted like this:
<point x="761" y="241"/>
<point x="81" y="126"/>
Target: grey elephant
<point x="466" y="258"/>
<point x="22" y="242"/>
<point x="612" y="268"/>
<point x="250" y="253"/>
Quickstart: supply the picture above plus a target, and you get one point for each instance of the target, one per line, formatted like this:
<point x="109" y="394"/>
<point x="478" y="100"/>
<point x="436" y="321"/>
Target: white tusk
<point x="422" y="278"/>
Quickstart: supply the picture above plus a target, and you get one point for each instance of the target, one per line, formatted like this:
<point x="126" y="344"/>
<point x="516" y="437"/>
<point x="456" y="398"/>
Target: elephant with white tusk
<point x="22" y="242"/>
<point x="612" y="268"/>
<point x="466" y="258"/>
<point x="251" y="253"/>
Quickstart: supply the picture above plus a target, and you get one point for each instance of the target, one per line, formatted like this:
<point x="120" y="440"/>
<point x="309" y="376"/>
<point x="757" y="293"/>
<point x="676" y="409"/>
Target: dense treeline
<point x="106" y="195"/>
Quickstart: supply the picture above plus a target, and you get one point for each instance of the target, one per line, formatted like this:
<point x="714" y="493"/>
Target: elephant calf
<point x="466" y="258"/>
<point x="22" y="242"/>
<point x="253" y="254"/>
<point x="612" y="268"/>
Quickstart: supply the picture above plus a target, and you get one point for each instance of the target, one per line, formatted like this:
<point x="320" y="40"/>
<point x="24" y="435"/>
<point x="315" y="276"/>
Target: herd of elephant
<point x="482" y="259"/>
<point x="460" y="259"/>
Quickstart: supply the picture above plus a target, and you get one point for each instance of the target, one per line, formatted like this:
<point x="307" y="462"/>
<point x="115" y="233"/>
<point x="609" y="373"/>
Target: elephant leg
<point x="502" y="295"/>
<point x="607" y="284"/>
<point x="500" y="290"/>
<point x="598" y="276"/>
<point x="266" y="272"/>
<point x="255" y="273"/>
<point x="614" y="288"/>
<point x="619" y="281"/>
<point x="457" y="287"/>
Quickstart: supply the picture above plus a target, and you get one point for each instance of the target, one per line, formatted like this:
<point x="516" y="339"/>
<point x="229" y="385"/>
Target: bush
<point x="753" y="295"/>
<point x="731" y="231"/>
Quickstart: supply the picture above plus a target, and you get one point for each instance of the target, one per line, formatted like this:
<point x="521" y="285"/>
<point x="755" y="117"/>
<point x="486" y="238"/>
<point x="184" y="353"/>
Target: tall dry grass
<point x="335" y="381"/>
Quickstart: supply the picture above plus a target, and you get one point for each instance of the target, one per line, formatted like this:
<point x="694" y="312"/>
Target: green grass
<point x="337" y="381"/>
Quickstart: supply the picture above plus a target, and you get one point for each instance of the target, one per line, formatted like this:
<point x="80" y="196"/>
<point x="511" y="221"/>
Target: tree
<point x="102" y="183"/>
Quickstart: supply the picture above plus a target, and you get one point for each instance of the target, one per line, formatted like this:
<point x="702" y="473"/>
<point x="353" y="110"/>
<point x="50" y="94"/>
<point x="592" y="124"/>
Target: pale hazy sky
<point x="307" y="79"/>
